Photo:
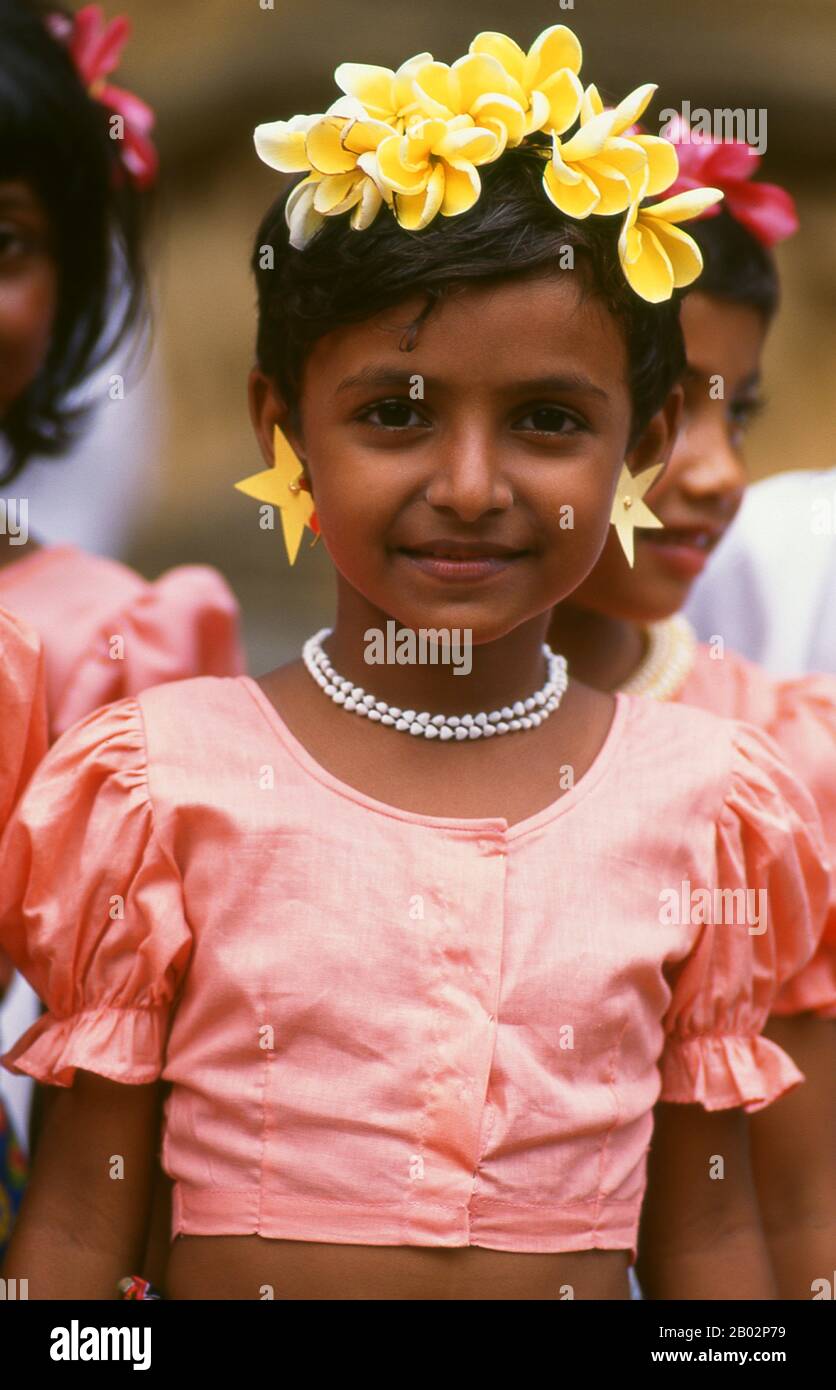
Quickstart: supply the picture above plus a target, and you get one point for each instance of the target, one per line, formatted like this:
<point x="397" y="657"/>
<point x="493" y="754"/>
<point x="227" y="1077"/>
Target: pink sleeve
<point x="91" y="908"/>
<point x="769" y="850"/>
<point x="23" y="728"/>
<point x="185" y="624"/>
<point x="805" y="729"/>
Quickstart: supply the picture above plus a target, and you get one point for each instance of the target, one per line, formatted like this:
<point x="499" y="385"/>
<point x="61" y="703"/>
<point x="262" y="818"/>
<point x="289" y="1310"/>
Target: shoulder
<point x="707" y="763"/>
<point x="678" y="736"/>
<point x="725" y="683"/>
<point x="63" y="575"/>
<point x="69" y="577"/>
<point x="206" y="723"/>
<point x="206" y="701"/>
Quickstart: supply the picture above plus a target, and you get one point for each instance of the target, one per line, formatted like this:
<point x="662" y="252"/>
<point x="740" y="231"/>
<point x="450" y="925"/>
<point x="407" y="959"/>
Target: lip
<point x="461" y="560"/>
<point x="683" y="549"/>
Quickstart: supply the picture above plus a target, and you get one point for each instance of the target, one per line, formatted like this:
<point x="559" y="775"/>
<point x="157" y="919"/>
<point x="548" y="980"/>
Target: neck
<point x="492" y="674"/>
<point x="601" y="651"/>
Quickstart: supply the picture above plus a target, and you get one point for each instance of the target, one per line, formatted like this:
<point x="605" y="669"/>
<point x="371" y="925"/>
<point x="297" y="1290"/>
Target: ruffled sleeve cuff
<point x="727" y="1072"/>
<point x="123" y="1044"/>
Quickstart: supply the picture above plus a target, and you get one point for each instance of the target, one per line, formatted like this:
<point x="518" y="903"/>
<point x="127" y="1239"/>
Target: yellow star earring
<point x="282" y="487"/>
<point x="629" y="510"/>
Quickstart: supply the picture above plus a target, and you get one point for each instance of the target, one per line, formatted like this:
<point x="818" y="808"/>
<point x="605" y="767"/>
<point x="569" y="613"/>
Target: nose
<point x="707" y="466"/>
<point x="469" y="477"/>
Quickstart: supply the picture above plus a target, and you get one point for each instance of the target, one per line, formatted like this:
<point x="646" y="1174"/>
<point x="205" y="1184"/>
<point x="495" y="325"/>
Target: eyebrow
<point x="390" y="376"/>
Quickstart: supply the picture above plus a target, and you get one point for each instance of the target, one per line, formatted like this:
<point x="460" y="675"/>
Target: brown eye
<point x="12" y="243"/>
<point x="549" y="419"/>
<point x="392" y="415"/>
<point x="743" y="412"/>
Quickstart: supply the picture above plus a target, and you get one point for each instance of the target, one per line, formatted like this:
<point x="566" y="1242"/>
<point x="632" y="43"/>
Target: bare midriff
<point x="243" y="1267"/>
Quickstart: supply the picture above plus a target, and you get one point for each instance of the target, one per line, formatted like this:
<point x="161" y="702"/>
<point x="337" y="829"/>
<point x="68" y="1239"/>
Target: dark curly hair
<point x="55" y="137"/>
<point x="343" y="276"/>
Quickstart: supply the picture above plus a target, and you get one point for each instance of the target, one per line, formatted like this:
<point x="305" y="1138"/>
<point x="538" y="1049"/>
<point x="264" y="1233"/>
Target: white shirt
<point x="770" y="589"/>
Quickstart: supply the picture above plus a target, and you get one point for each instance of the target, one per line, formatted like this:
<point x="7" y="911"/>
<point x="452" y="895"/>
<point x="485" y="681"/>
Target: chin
<point x="663" y="602"/>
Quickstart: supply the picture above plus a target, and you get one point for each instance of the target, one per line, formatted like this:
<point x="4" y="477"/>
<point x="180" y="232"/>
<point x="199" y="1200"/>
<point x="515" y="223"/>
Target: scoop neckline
<point x="497" y="824"/>
<point x="28" y="561"/>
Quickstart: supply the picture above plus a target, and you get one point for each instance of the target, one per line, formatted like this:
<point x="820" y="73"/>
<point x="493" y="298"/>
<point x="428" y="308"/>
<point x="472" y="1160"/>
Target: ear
<point x="268" y="408"/>
<point x="659" y="435"/>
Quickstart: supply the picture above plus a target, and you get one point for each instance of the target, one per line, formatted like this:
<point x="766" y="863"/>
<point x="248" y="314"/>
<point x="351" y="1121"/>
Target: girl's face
<point x="698" y="494"/>
<point x="467" y="483"/>
<point x="28" y="289"/>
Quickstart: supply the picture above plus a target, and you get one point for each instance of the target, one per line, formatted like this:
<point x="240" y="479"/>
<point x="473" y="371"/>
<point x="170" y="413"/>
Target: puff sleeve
<point x="804" y="727"/>
<point x="91" y="908"/>
<point x="185" y="624"/>
<point x="769" y="847"/>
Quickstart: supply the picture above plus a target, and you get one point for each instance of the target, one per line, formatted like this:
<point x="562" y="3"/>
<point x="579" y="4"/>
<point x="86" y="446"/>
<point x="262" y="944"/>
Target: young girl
<point x="408" y="948"/>
<point x="71" y="214"/>
<point x="619" y="633"/>
<point x="22" y="745"/>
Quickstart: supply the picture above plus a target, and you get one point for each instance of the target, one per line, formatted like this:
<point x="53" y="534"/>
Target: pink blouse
<point x="108" y="633"/>
<point x="800" y="715"/>
<point x="23" y="734"/>
<point x="22" y="709"/>
<point x="390" y="1028"/>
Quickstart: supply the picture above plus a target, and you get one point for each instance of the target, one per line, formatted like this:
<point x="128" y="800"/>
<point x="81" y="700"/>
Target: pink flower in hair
<point x="764" y="209"/>
<point x="95" y="47"/>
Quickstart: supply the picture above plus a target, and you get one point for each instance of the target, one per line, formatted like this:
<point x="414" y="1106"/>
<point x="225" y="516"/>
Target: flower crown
<point x="414" y="140"/>
<point x="95" y="48"/>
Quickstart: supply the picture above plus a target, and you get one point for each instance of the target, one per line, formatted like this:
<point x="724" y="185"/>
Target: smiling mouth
<point x="690" y="537"/>
<point x="461" y="560"/>
<point x="463" y="550"/>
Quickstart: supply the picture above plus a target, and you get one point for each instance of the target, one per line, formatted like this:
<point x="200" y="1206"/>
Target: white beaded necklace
<point x="523" y="714"/>
<point x="672" y="646"/>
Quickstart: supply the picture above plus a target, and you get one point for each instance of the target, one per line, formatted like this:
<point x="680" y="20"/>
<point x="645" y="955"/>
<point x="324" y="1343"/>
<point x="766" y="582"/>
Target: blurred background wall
<point x="213" y="69"/>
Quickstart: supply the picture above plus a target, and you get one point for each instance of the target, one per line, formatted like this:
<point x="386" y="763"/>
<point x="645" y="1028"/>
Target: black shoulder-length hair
<point x="344" y="276"/>
<point x="55" y="137"/>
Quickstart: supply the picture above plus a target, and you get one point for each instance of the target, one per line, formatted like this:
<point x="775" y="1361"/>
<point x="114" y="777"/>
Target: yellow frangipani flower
<point x="476" y="86"/>
<point x="602" y="170"/>
<point x="662" y="158"/>
<point x="281" y="144"/>
<point x="432" y="168"/>
<point x="656" y="255"/>
<point x="338" y="151"/>
<point x="594" y="171"/>
<point x="544" y="81"/>
<point x="312" y="200"/>
<point x="414" y="137"/>
<point x="386" y="95"/>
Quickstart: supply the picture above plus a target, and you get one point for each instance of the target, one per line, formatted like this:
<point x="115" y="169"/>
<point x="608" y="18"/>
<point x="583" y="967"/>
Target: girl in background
<point x="76" y="166"/>
<point x="623" y="630"/>
<point x="71" y="273"/>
